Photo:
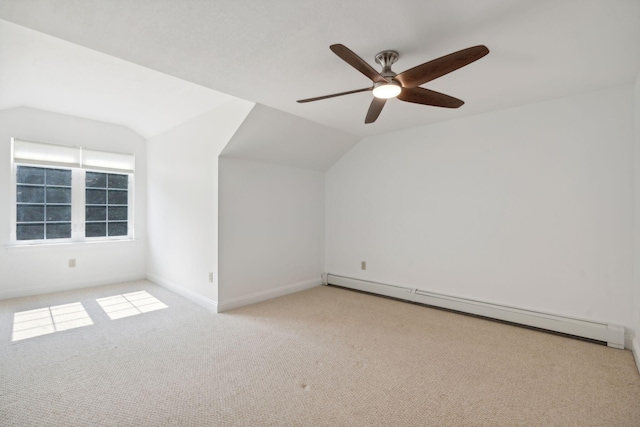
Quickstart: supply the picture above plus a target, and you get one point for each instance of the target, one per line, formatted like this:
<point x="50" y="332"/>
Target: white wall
<point x="529" y="207"/>
<point x="636" y="257"/>
<point x="44" y="268"/>
<point x="271" y="230"/>
<point x="183" y="201"/>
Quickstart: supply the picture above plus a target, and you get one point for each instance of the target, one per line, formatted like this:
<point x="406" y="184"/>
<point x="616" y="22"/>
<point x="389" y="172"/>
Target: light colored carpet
<point x="323" y="357"/>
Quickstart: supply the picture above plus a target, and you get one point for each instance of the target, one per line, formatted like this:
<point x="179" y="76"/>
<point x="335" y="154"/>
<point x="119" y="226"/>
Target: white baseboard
<point x="268" y="294"/>
<point x="628" y="339"/>
<point x="613" y="335"/>
<point x="194" y="297"/>
<point x="635" y="348"/>
<point x="66" y="286"/>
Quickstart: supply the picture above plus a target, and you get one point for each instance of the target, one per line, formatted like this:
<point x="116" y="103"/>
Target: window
<point x="70" y="193"/>
<point x="106" y="202"/>
<point x="43" y="209"/>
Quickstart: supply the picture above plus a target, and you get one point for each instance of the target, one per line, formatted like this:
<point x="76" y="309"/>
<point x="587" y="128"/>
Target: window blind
<point x="45" y="154"/>
<point x="62" y="155"/>
<point x="107" y="161"/>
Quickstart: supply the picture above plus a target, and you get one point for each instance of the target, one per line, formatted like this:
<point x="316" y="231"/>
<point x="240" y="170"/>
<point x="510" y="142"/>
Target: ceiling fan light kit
<point x="406" y="85"/>
<point x="387" y="90"/>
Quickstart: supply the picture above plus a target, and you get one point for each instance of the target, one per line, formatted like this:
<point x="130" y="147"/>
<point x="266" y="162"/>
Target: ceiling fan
<point x="405" y="86"/>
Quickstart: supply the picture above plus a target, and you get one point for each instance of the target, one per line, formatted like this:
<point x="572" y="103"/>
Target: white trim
<point x="194" y="297"/>
<point x="635" y="348"/>
<point x="628" y="339"/>
<point x="54" y="245"/>
<point x="613" y="335"/>
<point x="45" y="164"/>
<point x="67" y="286"/>
<point x="268" y="294"/>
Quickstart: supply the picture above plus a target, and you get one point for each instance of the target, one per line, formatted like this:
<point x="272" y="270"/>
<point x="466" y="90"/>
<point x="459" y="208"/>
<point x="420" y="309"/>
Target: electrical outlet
<point x="363" y="265"/>
<point x="211" y="277"/>
<point x="72" y="263"/>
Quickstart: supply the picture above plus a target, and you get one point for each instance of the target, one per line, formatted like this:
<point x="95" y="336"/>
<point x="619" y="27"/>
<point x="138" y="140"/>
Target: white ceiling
<point x="277" y="51"/>
<point x="273" y="136"/>
<point x="40" y="71"/>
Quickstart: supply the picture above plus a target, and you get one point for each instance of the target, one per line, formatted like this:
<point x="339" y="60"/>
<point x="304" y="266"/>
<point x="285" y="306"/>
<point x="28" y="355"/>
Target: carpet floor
<point x="135" y="354"/>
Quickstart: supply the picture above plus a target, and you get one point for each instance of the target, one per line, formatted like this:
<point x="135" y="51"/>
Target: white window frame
<point x="95" y="161"/>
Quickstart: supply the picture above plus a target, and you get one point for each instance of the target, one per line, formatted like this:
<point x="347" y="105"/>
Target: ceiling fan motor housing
<point x="386" y="58"/>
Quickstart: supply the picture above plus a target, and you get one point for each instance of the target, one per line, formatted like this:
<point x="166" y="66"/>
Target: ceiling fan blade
<point x="419" y="95"/>
<point x="356" y="62"/>
<point x="431" y="70"/>
<point x="334" y="95"/>
<point x="374" y="109"/>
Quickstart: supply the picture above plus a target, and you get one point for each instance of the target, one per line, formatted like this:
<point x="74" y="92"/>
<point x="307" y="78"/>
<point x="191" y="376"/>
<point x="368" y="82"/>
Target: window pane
<point x="58" y="231"/>
<point x="30" y="213"/>
<point x="59" y="177"/>
<point x="96" y="197"/>
<point x="58" y="213"/>
<point x="96" y="179"/>
<point x="96" y="229"/>
<point x="29" y="175"/>
<point x="96" y="213"/>
<point x="118" y="213"/>
<point x="117" y="229"/>
<point x="118" y="181"/>
<point x="30" y="231"/>
<point x="58" y="195"/>
<point x="26" y="194"/>
<point x="44" y="203"/>
<point x="117" y="197"/>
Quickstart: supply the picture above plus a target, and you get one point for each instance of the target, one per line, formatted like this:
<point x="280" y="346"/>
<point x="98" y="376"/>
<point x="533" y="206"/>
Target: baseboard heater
<point x="613" y="335"/>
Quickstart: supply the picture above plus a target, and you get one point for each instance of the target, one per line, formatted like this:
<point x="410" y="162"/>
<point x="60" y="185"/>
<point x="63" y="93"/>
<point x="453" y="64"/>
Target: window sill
<point x="20" y="247"/>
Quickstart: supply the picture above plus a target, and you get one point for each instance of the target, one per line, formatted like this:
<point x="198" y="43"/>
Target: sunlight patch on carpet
<point x="47" y="320"/>
<point x="131" y="304"/>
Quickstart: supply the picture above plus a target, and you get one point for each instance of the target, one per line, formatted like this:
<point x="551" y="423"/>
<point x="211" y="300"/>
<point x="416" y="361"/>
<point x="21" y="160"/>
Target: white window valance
<point x="65" y="156"/>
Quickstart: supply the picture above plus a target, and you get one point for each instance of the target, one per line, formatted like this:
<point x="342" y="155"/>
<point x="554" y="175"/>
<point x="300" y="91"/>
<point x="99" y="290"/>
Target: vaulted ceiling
<point x="276" y="52"/>
<point x="43" y="72"/>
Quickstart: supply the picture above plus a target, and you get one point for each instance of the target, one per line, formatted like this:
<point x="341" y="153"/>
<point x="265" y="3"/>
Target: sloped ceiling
<point x="273" y="136"/>
<point x="44" y="72"/>
<point x="40" y="71"/>
<point x="276" y="52"/>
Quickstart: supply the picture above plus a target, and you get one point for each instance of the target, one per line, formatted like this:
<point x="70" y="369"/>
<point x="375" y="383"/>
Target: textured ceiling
<point x="276" y="52"/>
